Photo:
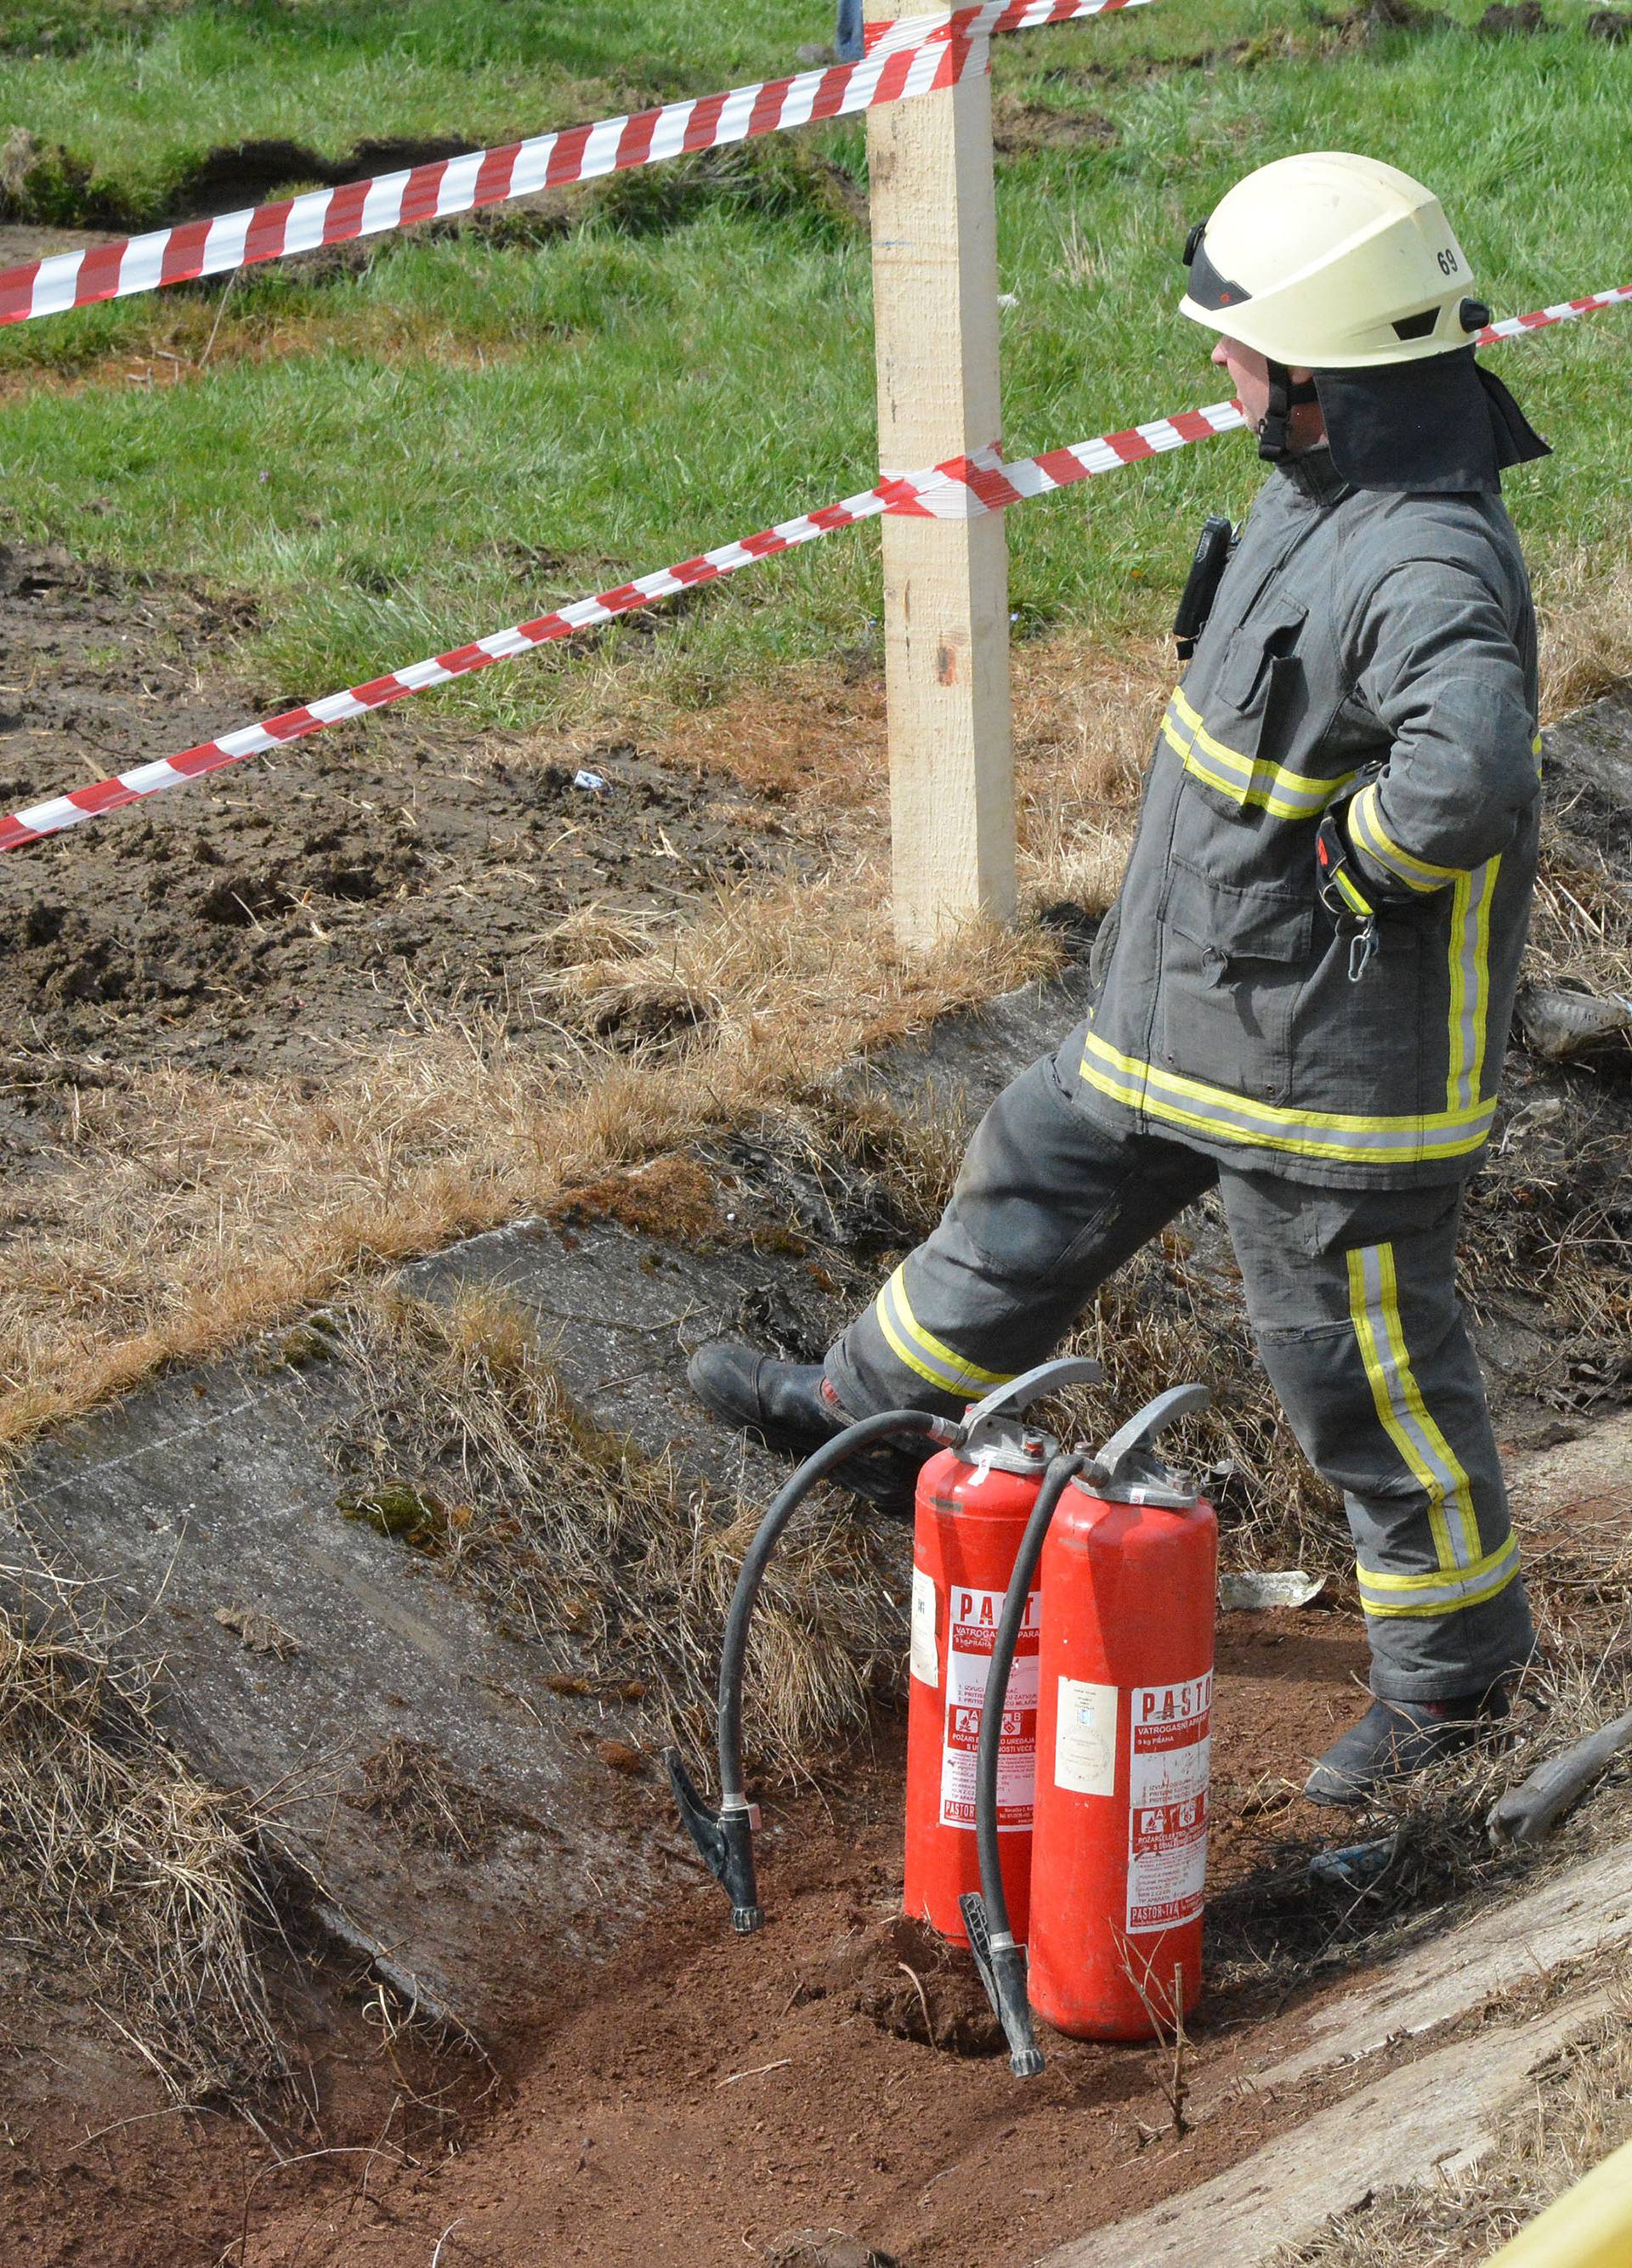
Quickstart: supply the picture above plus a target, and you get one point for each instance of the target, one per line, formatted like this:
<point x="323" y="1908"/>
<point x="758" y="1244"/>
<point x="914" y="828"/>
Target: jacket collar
<point x="1315" y="477"/>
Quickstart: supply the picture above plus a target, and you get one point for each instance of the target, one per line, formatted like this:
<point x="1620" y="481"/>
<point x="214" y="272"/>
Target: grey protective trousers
<point x="1353" y="1301"/>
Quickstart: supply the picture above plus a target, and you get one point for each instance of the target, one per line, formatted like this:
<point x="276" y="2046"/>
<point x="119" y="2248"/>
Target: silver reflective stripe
<point x="1197" y="1103"/>
<point x="1374" y="1308"/>
<point x="1283" y="794"/>
<point x="1470" y="983"/>
<point x="1410" y="1595"/>
<point x="927" y="1356"/>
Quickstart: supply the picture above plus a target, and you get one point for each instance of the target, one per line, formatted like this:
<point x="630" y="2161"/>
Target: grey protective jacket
<point x="1379" y="652"/>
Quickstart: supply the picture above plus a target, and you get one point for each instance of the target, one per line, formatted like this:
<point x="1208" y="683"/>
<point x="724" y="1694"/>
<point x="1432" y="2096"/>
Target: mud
<point x="711" y="2094"/>
<point x="275" y="918"/>
<point x="701" y="2095"/>
<point x="1019" y="127"/>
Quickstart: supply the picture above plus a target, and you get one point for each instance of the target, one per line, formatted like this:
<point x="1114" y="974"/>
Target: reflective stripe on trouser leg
<point x="1353" y="1299"/>
<point x="1465" y="1573"/>
<point x="1047" y="1205"/>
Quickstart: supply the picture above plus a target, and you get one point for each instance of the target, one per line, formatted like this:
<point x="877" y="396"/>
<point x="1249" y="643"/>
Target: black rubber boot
<point x="790" y="1406"/>
<point x="1395" y="1739"/>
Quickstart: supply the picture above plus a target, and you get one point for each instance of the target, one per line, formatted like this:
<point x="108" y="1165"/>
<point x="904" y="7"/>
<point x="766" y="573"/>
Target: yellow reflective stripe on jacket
<point x="1383" y="1595"/>
<point x="1283" y="794"/>
<point x="1374" y="1310"/>
<point x="1342" y="1137"/>
<point x="1366" y="828"/>
<point x="1470" y="983"/>
<point x="925" y="1355"/>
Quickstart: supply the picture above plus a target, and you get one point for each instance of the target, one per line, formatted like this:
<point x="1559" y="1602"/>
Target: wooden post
<point x="945" y="582"/>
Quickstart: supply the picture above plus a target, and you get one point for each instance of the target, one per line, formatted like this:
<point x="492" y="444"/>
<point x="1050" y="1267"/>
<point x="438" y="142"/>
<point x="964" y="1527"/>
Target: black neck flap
<point x="1442" y="426"/>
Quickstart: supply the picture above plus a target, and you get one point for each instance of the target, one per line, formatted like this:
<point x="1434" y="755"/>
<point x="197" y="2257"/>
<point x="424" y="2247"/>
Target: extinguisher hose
<point x="1060" y="1472"/>
<point x="1002" y="1962"/>
<point x="725" y="1836"/>
<point x="733" y="1656"/>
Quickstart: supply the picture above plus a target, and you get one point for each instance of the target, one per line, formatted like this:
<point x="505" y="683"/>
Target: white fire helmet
<point x="1329" y="262"/>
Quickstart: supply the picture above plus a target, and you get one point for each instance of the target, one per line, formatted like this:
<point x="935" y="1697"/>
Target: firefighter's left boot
<point x="1396" y="1738"/>
<point x="791" y="1406"/>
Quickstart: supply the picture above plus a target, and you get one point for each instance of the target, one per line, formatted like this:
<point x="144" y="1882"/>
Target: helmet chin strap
<point x="1286" y="395"/>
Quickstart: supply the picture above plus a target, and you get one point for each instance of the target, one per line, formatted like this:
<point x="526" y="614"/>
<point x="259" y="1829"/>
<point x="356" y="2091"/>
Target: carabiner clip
<point x="1362" y="951"/>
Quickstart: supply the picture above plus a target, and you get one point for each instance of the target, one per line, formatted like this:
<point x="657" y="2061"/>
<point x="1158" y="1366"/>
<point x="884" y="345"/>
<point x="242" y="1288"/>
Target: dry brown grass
<point x="1578" y="2108"/>
<point x="1584" y="601"/>
<point x="133" y="1886"/>
<point x="185" y="346"/>
<point x="185" y="1212"/>
<point x="1581" y="933"/>
<point x="466" y="1446"/>
<point x="1084" y="721"/>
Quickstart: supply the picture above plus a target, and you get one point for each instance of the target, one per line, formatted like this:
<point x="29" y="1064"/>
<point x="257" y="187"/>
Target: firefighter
<point x="1303" y="990"/>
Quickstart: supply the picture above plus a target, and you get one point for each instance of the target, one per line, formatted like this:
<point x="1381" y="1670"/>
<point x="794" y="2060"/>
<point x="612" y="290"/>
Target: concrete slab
<point x="211" y="1492"/>
<point x="1578" y="1914"/>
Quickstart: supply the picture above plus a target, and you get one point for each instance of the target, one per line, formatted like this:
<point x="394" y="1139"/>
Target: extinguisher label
<point x="1169" y="1760"/>
<point x="973" y="1629"/>
<point x="923" y="1660"/>
<point x="1085" y="1738"/>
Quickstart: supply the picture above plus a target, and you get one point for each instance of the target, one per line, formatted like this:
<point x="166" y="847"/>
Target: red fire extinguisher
<point x="1128" y="1561"/>
<point x="972" y="1506"/>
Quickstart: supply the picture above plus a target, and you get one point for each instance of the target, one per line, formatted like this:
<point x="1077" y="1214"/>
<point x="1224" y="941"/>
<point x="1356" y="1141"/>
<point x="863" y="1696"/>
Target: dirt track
<point x="632" y="2142"/>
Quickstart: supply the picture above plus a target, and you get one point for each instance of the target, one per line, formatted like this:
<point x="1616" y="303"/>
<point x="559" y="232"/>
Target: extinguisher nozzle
<point x="1002" y="1966"/>
<point x="725" y="1838"/>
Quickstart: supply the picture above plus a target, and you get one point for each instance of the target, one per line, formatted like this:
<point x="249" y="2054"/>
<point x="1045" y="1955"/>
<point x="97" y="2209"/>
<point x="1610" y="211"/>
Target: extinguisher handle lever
<point x="1142" y="1428"/>
<point x="1031" y="1386"/>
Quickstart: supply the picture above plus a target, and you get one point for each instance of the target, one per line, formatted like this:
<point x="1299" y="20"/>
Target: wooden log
<point x="1583" y="1913"/>
<point x="1441" y="2113"/>
<point x="945" y="582"/>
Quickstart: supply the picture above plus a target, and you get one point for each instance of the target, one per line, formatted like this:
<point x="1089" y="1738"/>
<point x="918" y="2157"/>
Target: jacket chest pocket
<point x="1233" y="962"/>
<point x="1229" y="741"/>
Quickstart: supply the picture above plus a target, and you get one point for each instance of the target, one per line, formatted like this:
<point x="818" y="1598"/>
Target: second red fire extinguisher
<point x="1128" y="1554"/>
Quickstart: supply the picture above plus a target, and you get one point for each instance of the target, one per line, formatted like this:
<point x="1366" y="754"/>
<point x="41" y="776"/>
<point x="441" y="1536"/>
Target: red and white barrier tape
<point x="918" y="55"/>
<point x="1515" y="326"/>
<point x="959" y="489"/>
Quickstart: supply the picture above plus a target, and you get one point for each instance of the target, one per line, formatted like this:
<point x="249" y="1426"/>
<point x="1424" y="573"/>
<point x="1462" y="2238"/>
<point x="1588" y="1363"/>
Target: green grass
<point x="691" y="357"/>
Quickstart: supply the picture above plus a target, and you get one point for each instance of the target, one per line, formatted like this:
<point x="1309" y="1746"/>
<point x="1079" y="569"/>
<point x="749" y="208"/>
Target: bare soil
<point x="700" y="2094"/>
<point x="274" y="919"/>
